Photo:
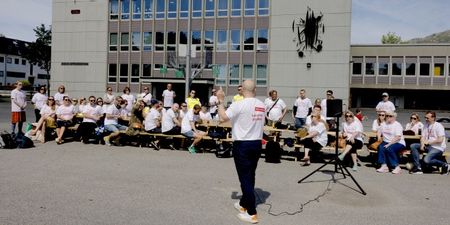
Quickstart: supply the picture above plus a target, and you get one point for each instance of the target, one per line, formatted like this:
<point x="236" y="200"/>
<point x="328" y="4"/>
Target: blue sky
<point x="370" y="18"/>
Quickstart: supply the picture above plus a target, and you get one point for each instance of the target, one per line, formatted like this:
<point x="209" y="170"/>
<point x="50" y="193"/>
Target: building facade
<point x="14" y="67"/>
<point x="283" y="45"/>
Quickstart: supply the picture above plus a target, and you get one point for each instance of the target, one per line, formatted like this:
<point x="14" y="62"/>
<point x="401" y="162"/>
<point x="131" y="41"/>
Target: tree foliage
<point x="391" y="38"/>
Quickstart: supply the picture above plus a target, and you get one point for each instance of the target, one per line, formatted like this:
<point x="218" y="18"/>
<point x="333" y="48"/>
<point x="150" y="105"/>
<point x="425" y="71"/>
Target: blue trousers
<point x="246" y="155"/>
<point x="430" y="159"/>
<point x="299" y="122"/>
<point x="389" y="155"/>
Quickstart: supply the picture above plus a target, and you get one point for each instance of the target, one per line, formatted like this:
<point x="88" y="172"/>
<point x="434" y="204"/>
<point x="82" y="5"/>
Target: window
<point x="209" y="8"/>
<point x="222" y="40"/>
<point x="148" y="9"/>
<point x="261" y="75"/>
<point x="263" y="9"/>
<point x="357" y="68"/>
<point x="31" y="69"/>
<point x="439" y="69"/>
<point x="262" y="39"/>
<point x="235" y="40"/>
<point x="222" y="8"/>
<point x="221" y="74"/>
<point x="125" y="13"/>
<point x="183" y="37"/>
<point x="8" y="60"/>
<point x="136" y="41"/>
<point x="247" y="74"/>
<point x="123" y="73"/>
<point x="2" y="59"/>
<point x="15" y="74"/>
<point x="137" y="13"/>
<point x="197" y="40"/>
<point x="124" y="41"/>
<point x="134" y="73"/>
<point x="16" y="61"/>
<point x="43" y="76"/>
<point x="249" y="40"/>
<point x="249" y="8"/>
<point x="1" y="74"/>
<point x="196" y="8"/>
<point x="235" y="7"/>
<point x="172" y="9"/>
<point x="112" y="74"/>
<point x="209" y="40"/>
<point x="397" y="66"/>
<point x="114" y="9"/>
<point x="184" y="8"/>
<point x="159" y="42"/>
<point x="148" y="40"/>
<point x="171" y="41"/>
<point x="424" y="69"/>
<point x="24" y="62"/>
<point x="410" y="69"/>
<point x="383" y="65"/>
<point x="160" y="9"/>
<point x="370" y="66"/>
<point x="147" y="70"/>
<point x="234" y="74"/>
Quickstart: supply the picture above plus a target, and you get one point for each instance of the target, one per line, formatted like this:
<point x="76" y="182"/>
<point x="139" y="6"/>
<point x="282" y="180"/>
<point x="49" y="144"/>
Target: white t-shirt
<point x="247" y="119"/>
<point x="386" y="106"/>
<point x="151" y="119"/>
<point x="213" y="104"/>
<point x="18" y="100"/>
<point x="108" y="99"/>
<point x="112" y="110"/>
<point x="389" y="131"/>
<point x="167" y="120"/>
<point x="182" y="114"/>
<point x="65" y="112"/>
<point x="308" y="121"/>
<point x="168" y="97"/>
<point x="303" y="106"/>
<point x="130" y="101"/>
<point x="277" y="111"/>
<point x="189" y="117"/>
<point x="205" y="116"/>
<point x="93" y="111"/>
<point x="416" y="127"/>
<point x="375" y="125"/>
<point x="39" y="100"/>
<point x="432" y="132"/>
<point x="322" y="136"/>
<point x="59" y="98"/>
<point x="47" y="110"/>
<point x="146" y="97"/>
<point x="353" y="130"/>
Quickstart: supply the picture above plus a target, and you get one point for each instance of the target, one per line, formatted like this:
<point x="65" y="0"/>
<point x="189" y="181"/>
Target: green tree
<point x="391" y="38"/>
<point x="39" y="52"/>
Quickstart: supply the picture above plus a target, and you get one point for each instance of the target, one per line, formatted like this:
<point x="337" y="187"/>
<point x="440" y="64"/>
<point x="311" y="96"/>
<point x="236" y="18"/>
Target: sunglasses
<point x="92" y="100"/>
<point x="183" y="106"/>
<point x="66" y="99"/>
<point x="413" y="118"/>
<point x="381" y="115"/>
<point x="51" y="99"/>
<point x="389" y="116"/>
<point x="313" y="116"/>
<point x="42" y="89"/>
<point x="348" y="116"/>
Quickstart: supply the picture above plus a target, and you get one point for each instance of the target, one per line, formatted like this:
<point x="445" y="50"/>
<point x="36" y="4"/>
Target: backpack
<point x="273" y="152"/>
<point x="217" y="132"/>
<point x="8" y="140"/>
<point x="24" y="142"/>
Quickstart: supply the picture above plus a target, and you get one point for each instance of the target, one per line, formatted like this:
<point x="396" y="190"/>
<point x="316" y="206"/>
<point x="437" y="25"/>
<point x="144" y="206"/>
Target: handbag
<point x="374" y="146"/>
<point x="342" y="142"/>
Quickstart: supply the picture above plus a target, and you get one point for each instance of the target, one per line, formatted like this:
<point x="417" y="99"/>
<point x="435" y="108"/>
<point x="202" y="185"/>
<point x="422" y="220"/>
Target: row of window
<point x="171" y="9"/>
<point x="232" y="74"/>
<point x="399" y="66"/>
<point x="219" y="40"/>
<point x="9" y="60"/>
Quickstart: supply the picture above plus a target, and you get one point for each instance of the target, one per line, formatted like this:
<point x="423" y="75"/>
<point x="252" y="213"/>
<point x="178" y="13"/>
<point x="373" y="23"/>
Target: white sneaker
<point x="248" y="218"/>
<point x="239" y="208"/>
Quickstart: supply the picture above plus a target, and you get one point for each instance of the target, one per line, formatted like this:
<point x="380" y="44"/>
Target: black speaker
<point x="334" y="107"/>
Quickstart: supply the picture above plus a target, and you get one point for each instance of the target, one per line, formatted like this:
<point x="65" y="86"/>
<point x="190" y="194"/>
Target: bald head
<point x="248" y="89"/>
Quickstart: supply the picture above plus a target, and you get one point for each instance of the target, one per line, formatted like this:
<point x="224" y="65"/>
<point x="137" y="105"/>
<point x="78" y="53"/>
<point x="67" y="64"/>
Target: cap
<point x="385" y="94"/>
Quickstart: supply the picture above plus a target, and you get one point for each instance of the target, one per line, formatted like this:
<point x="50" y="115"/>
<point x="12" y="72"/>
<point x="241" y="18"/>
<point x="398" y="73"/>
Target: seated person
<point x="48" y="114"/>
<point x="317" y="137"/>
<point x="205" y="116"/>
<point x="433" y="143"/>
<point x="393" y="142"/>
<point x="170" y="121"/>
<point x="414" y="124"/>
<point x="113" y="113"/>
<point x="91" y="114"/>
<point x="317" y="109"/>
<point x="188" y="128"/>
<point x="352" y="132"/>
<point x="64" y="116"/>
<point x="152" y="120"/>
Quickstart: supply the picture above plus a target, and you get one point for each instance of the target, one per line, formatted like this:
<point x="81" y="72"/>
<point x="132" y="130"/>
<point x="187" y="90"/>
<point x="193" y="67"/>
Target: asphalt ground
<point x="75" y="183"/>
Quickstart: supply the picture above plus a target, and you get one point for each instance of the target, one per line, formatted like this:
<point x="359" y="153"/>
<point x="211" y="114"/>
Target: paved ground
<point x="93" y="184"/>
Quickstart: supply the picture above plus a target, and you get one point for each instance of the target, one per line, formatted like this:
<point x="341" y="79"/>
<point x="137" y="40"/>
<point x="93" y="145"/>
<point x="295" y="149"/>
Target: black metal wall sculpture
<point x="308" y="33"/>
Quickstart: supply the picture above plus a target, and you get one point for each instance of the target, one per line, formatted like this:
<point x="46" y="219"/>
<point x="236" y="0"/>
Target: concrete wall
<point x="79" y="38"/>
<point x="329" y="68"/>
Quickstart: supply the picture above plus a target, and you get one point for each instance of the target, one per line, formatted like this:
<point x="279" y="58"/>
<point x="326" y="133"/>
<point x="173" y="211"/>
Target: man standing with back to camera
<point x="247" y="120"/>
